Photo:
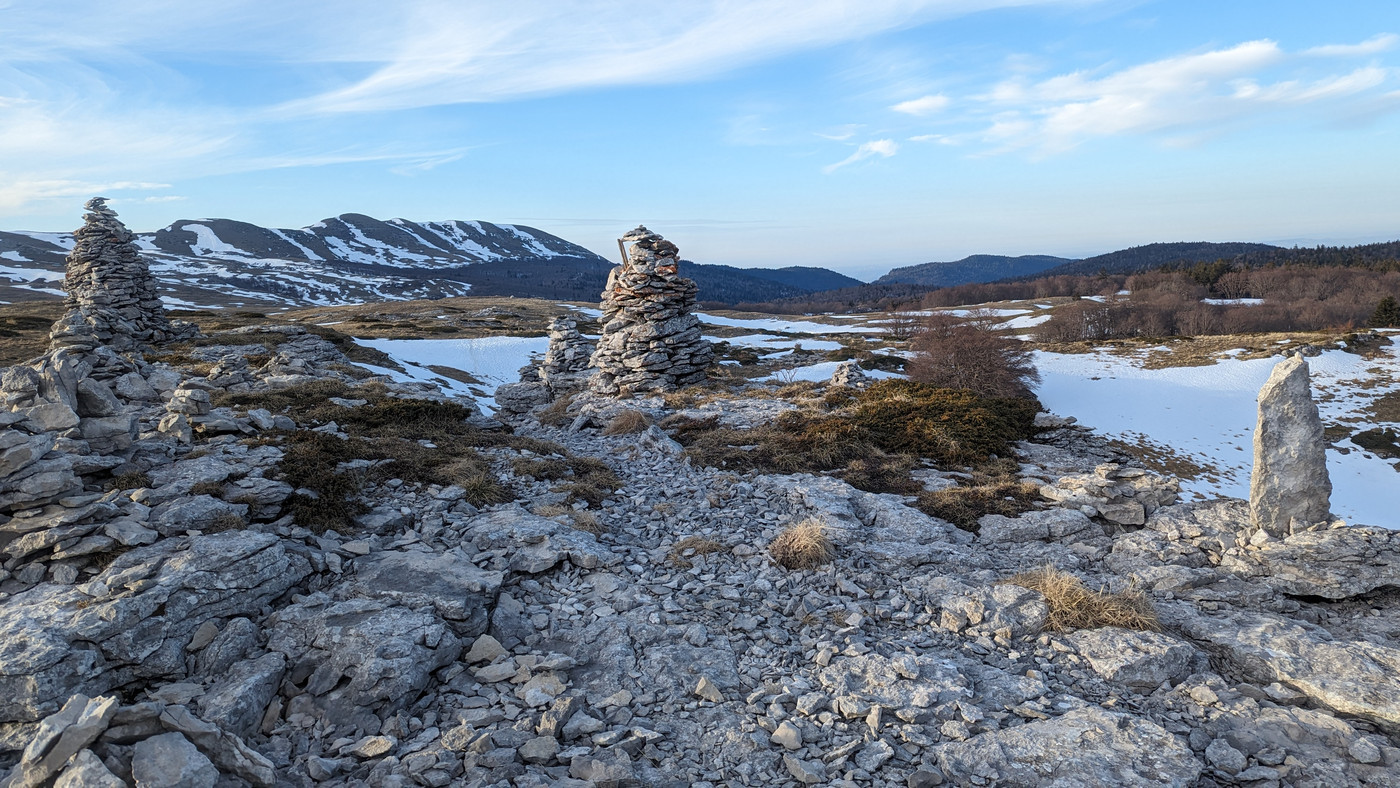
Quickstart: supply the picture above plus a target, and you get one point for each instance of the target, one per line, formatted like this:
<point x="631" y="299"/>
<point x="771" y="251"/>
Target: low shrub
<point x="802" y="546"/>
<point x="133" y="480"/>
<point x="1073" y="606"/>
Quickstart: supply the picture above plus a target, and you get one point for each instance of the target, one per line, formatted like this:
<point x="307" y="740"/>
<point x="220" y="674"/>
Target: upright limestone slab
<point x="112" y="297"/>
<point x="1290" y="489"/>
<point x="651" y="341"/>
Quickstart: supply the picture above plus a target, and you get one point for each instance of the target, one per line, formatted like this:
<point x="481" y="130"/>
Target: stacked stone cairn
<point x="651" y="341"/>
<point x="112" y="297"/>
<point x="848" y="374"/>
<point x="565" y="365"/>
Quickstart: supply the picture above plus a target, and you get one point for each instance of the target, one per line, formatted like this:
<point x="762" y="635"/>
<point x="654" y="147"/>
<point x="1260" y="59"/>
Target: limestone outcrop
<point x="651" y="341"/>
<point x="1290" y="490"/>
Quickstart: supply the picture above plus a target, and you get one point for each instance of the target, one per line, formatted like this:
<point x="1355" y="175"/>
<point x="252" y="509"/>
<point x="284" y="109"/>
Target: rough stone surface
<point x="170" y="761"/>
<point x="1083" y="747"/>
<point x="1289" y="490"/>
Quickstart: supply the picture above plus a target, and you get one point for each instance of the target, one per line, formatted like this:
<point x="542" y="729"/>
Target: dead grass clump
<point x="628" y="422"/>
<point x="691" y="546"/>
<point x="882" y="474"/>
<point x="800" y="389"/>
<point x="802" y="546"/>
<point x="1380" y="441"/>
<point x="682" y="427"/>
<point x="223" y="521"/>
<point x="133" y="480"/>
<point x="557" y="414"/>
<point x="1073" y="606"/>
<point x="215" y="489"/>
<point x="587" y="522"/>
<point x="963" y="506"/>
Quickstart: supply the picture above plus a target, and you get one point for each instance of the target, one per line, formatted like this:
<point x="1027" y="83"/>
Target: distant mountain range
<point x="976" y="268"/>
<point x="354" y="258"/>
<point x="1146" y="258"/>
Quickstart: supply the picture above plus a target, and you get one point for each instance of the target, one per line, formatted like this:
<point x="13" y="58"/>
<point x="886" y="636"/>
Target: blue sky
<point x="853" y="135"/>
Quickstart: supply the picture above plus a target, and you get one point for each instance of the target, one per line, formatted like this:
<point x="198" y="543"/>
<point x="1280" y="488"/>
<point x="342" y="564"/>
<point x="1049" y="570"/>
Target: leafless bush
<point x="971" y="355"/>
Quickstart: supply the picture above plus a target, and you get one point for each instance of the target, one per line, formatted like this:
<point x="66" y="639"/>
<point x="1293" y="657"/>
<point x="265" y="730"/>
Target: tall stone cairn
<point x="565" y="365"/>
<point x="651" y="341"/>
<point x="112" y="297"/>
<point x="1290" y="490"/>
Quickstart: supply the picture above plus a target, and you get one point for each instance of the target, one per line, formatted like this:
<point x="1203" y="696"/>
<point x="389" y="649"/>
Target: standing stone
<point x="651" y="341"/>
<point x="1290" y="489"/>
<point x="565" y="365"/>
<point x="112" y="297"/>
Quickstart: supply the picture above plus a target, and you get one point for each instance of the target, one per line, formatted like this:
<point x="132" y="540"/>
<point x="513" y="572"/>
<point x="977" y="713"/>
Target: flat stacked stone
<point x="651" y="341"/>
<point x="565" y="365"/>
<point x="112" y="297"/>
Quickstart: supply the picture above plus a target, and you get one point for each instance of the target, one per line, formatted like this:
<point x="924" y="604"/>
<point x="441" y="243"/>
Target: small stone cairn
<point x="848" y="374"/>
<point x="112" y="297"/>
<point x="651" y="341"/>
<point x="565" y="365"/>
<point x="1290" y="490"/>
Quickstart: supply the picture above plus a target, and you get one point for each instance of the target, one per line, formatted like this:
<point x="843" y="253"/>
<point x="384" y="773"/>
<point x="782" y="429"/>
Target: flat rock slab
<point x="1350" y="677"/>
<point x="1141" y="660"/>
<point x="457" y="589"/>
<point x="1336" y="563"/>
<point x="537" y="543"/>
<point x="1087" y="746"/>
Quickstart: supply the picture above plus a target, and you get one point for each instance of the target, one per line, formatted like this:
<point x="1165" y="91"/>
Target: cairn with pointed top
<point x="651" y="341"/>
<point x="112" y="298"/>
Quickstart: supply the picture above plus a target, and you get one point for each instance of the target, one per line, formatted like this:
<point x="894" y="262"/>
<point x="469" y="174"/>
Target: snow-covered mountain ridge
<point x="346" y="259"/>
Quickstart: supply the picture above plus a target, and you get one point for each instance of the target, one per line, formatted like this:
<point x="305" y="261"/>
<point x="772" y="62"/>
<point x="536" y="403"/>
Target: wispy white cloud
<point x="1187" y="94"/>
<point x="882" y="148"/>
<point x="1371" y="46"/>
<point x="926" y="105"/>
<point x="97" y="92"/>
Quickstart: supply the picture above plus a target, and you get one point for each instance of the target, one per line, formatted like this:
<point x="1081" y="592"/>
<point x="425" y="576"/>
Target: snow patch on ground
<point x="821" y="372"/>
<point x="1208" y="414"/>
<point x="492" y="360"/>
<point x="1025" y="321"/>
<point x="1232" y="301"/>
<point x="28" y="274"/>
<point x="784" y="326"/>
<point x="770" y="342"/>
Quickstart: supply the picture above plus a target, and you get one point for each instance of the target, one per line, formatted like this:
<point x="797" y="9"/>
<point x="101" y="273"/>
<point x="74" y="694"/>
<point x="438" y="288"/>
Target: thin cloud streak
<point x="882" y="148"/>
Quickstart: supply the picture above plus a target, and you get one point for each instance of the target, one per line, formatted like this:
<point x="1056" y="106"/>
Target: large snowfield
<point x="1203" y="414"/>
<point x="1208" y="413"/>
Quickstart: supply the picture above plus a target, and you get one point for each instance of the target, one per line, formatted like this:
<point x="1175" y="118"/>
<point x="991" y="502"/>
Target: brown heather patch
<point x="1073" y="606"/>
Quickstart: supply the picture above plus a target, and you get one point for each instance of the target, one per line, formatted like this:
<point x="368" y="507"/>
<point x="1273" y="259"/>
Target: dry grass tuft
<point x="557" y="414"/>
<point x="1072" y="606"/>
<point x="802" y="546"/>
<point x="587" y="522"/>
<point x="628" y="422"/>
<point x="691" y="546"/>
<point x="133" y="480"/>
